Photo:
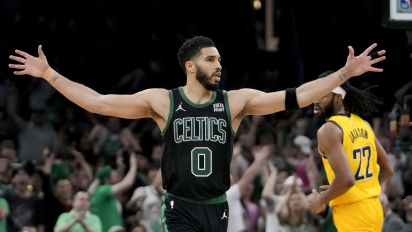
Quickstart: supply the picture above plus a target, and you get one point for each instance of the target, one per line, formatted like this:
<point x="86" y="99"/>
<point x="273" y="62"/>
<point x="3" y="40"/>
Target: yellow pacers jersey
<point x="360" y="148"/>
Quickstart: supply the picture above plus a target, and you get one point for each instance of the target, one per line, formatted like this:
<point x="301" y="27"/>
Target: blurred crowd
<point x="62" y="167"/>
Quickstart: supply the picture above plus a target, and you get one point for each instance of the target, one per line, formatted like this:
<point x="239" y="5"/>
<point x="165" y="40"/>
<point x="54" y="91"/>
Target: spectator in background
<point x="407" y="204"/>
<point x="8" y="159"/>
<point x="139" y="228"/>
<point x="146" y="201"/>
<point x="81" y="174"/>
<point x="25" y="207"/>
<point x="106" y="138"/>
<point x="104" y="202"/>
<point x="253" y="211"/>
<point x="292" y="210"/>
<point x="4" y="212"/>
<point x="392" y="222"/>
<point x="270" y="200"/>
<point x="8" y="150"/>
<point x="58" y="192"/>
<point x="79" y="219"/>
<point x="407" y="176"/>
<point x="34" y="135"/>
<point x="238" y="214"/>
<point x="8" y="130"/>
<point x="5" y="167"/>
<point x="306" y="168"/>
<point x="399" y="162"/>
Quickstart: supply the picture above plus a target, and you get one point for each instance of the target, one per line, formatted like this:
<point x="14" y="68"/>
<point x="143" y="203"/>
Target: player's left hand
<point x="30" y="65"/>
<point x="358" y="65"/>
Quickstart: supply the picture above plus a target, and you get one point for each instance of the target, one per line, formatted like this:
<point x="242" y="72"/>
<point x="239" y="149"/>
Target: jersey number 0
<point x="201" y="162"/>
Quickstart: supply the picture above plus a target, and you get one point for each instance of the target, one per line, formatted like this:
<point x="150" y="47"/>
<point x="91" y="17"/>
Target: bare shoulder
<point x="157" y="92"/>
<point x="329" y="128"/>
<point x="329" y="131"/>
<point x="156" y="96"/>
<point x="242" y="95"/>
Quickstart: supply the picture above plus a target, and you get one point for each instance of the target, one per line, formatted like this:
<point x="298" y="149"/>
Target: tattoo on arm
<point x="55" y="77"/>
<point x="342" y="77"/>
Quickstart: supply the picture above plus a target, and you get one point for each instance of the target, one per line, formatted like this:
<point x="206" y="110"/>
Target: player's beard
<point x="327" y="111"/>
<point x="205" y="80"/>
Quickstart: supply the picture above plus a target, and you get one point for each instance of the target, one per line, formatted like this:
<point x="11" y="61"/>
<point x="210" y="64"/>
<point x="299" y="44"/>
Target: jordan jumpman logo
<point x="180" y="107"/>
<point x="224" y="215"/>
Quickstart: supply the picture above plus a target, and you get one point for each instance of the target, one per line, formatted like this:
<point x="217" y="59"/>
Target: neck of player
<point x="196" y="93"/>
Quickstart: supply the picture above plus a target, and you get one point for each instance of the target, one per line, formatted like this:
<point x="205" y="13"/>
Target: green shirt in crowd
<point x="107" y="207"/>
<point x="3" y="221"/>
<point x="93" y="221"/>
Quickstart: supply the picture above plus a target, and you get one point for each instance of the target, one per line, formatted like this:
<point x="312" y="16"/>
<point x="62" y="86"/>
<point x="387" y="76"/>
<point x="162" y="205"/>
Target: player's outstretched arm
<point x="254" y="102"/>
<point x="138" y="105"/>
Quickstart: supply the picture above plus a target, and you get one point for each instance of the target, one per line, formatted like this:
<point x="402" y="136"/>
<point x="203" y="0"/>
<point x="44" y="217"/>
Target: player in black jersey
<point x="198" y="122"/>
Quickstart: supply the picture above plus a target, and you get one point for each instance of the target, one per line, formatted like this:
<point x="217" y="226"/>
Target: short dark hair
<point x="191" y="48"/>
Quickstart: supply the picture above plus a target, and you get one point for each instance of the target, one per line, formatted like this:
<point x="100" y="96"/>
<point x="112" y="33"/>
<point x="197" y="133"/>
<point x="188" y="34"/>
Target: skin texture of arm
<point x="149" y="103"/>
<point x="154" y="103"/>
<point x="245" y="102"/>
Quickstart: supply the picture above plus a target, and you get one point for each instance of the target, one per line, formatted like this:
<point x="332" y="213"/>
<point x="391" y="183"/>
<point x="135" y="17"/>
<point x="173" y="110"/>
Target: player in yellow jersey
<point x="355" y="162"/>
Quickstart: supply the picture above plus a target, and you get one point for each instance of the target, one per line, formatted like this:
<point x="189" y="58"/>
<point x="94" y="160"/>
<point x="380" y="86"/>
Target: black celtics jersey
<point x="198" y="143"/>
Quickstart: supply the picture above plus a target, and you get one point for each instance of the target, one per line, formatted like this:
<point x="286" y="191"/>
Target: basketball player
<point x="198" y="122"/>
<point x="353" y="158"/>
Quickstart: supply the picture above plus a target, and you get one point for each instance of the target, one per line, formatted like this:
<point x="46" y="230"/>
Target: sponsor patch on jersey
<point x="218" y="107"/>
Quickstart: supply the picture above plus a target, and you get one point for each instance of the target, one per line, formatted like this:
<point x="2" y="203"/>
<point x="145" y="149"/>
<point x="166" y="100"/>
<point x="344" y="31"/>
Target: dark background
<point x="98" y="42"/>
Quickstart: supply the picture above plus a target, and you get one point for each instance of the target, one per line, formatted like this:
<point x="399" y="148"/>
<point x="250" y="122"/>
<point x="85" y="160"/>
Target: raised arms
<point x="150" y="103"/>
<point x="245" y="102"/>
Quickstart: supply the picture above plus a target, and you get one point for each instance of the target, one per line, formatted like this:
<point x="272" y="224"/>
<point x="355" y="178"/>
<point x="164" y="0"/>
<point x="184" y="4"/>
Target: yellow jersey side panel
<point x="360" y="148"/>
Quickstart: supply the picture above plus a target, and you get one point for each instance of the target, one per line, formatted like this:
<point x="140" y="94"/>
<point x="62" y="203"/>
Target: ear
<point x="190" y="66"/>
<point x="337" y="98"/>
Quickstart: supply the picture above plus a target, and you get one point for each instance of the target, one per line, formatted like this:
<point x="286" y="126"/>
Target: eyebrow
<point x="214" y="56"/>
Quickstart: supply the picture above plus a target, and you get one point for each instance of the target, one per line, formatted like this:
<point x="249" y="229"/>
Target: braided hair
<point x="358" y="101"/>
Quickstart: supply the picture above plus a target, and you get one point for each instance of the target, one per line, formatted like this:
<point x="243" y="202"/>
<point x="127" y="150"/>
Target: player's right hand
<point x="314" y="202"/>
<point x="324" y="187"/>
<point x="28" y="64"/>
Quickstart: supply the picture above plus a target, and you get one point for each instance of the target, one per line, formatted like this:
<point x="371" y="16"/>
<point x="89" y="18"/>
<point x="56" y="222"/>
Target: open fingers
<point x="372" y="69"/>
<point x="370" y="48"/>
<point x="23" y="54"/>
<point x="40" y="51"/>
<point x="377" y="60"/>
<point x="351" y="51"/>
<point x="17" y="66"/>
<point x="382" y="52"/>
<point x="17" y="58"/>
<point x="22" y="72"/>
<point x="375" y="55"/>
